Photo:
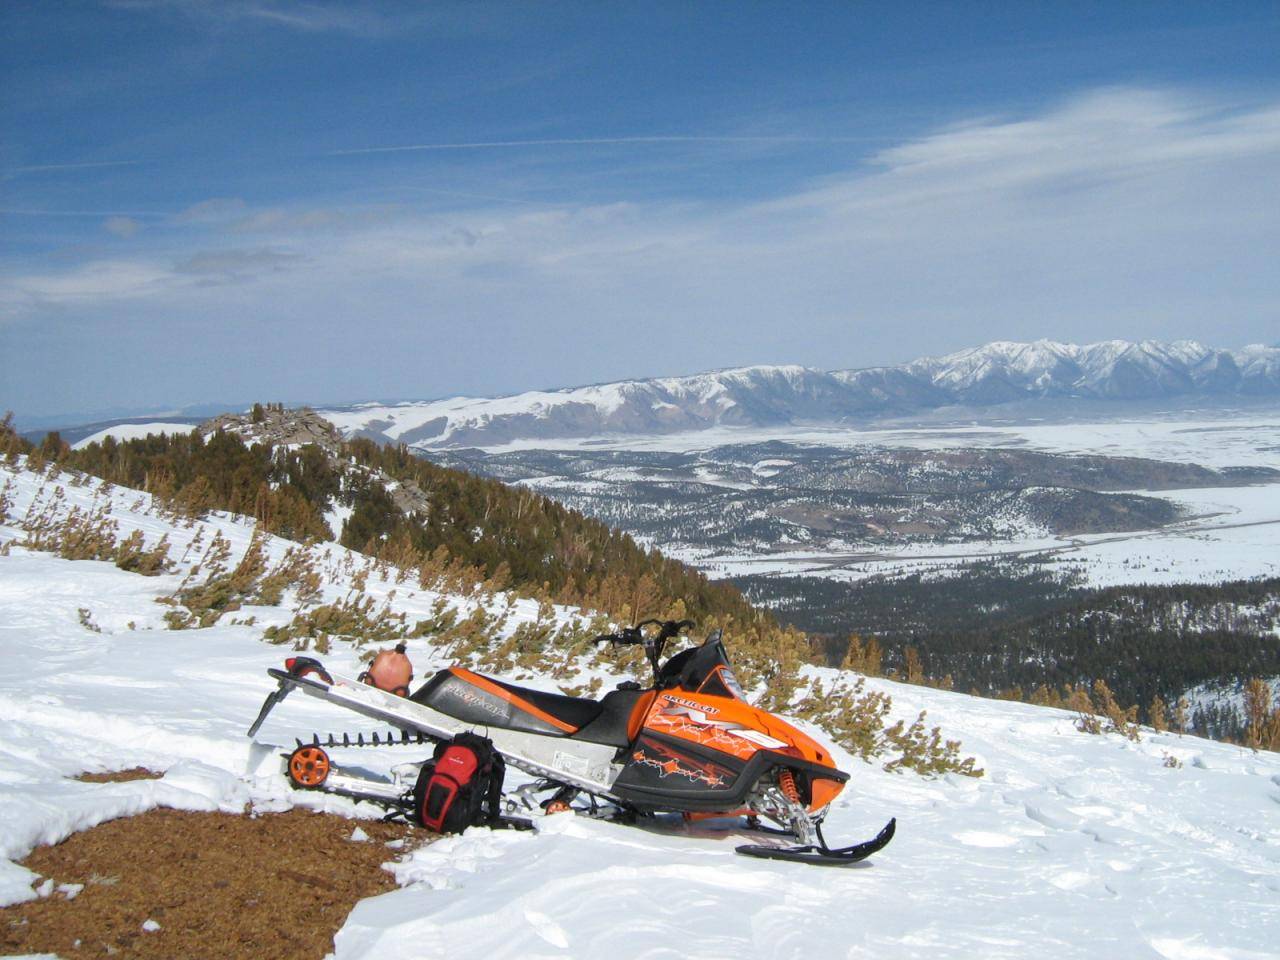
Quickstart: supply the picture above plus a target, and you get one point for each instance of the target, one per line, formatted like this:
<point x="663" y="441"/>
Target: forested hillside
<point x="1010" y="629"/>
<point x="383" y="501"/>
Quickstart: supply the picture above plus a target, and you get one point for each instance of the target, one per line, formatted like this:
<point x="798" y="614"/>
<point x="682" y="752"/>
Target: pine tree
<point x="1257" y="711"/>
<point x="1158" y="714"/>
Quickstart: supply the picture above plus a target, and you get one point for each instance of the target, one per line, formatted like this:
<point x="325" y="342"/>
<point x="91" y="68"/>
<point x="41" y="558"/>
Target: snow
<point x="1233" y="533"/>
<point x="1211" y="438"/>
<point x="396" y="420"/>
<point x="336" y="516"/>
<point x="1071" y="846"/>
<point x="134" y="431"/>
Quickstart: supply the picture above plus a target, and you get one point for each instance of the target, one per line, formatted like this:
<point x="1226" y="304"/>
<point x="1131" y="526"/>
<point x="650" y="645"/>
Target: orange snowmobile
<point x="690" y="744"/>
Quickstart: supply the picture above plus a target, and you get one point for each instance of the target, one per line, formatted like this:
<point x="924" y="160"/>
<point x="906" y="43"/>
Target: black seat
<point x="575" y="711"/>
<point x="612" y="725"/>
<point x="477" y="698"/>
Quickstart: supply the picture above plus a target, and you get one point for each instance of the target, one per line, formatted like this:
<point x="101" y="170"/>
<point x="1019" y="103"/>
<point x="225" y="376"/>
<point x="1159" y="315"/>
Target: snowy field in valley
<point x="1213" y="437"/>
<point x="1249" y="436"/>
<point x="1233" y="533"/>
<point x="1070" y="846"/>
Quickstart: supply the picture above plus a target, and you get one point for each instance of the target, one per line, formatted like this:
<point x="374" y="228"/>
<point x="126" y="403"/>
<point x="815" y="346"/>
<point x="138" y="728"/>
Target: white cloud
<point x="229" y="265"/>
<point x="90" y="283"/>
<point x="1120" y="213"/>
<point x="123" y="227"/>
<point x="1117" y="136"/>
<point x="213" y="210"/>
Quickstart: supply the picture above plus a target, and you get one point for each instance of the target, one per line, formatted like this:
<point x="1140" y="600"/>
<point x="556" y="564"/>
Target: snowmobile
<point x="688" y="744"/>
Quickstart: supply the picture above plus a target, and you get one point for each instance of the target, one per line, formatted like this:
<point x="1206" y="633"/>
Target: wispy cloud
<point x="309" y="17"/>
<point x="94" y="282"/>
<point x="1119" y="213"/>
<point x="12" y="172"/>
<point x="123" y="227"/>
<point x="603" y="142"/>
<point x="11" y="212"/>
<point x="213" y="210"/>
<point x="232" y="265"/>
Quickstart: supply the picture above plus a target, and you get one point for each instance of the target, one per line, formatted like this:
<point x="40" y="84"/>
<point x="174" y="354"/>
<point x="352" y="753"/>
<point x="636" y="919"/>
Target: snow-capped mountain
<point x="763" y="396"/>
<point x="1113" y="369"/>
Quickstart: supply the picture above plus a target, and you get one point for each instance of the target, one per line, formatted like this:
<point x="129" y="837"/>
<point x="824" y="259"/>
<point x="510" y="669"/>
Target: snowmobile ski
<point x="822" y="855"/>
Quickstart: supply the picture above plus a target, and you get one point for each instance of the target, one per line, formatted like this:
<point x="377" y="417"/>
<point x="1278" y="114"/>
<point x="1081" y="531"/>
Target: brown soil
<point x="220" y="886"/>
<point x="118" y="776"/>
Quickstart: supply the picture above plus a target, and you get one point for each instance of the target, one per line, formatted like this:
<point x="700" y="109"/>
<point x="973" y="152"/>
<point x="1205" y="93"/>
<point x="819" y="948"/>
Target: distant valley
<point x="763" y="499"/>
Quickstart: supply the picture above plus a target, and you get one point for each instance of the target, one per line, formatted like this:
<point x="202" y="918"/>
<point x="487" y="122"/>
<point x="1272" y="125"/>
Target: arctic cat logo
<point x="473" y="699"/>
<point x="694" y="704"/>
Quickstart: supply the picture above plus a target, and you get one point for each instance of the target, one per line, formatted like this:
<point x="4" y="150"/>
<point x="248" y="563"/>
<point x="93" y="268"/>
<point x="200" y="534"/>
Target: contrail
<point x="600" y="141"/>
<point x="74" y="166"/>
<point x="81" y="213"/>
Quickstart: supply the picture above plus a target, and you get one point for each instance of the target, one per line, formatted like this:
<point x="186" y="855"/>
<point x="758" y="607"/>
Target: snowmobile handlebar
<point x="652" y="643"/>
<point x="636" y="635"/>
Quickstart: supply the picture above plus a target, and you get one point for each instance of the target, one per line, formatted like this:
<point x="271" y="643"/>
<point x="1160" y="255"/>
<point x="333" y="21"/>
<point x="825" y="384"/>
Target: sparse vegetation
<point x="855" y="717"/>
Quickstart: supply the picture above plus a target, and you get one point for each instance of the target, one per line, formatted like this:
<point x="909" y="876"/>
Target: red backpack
<point x="461" y="786"/>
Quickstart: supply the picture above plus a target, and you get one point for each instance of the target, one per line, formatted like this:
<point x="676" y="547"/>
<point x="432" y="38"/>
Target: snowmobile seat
<point x="575" y="711"/>
<point x="621" y="712"/>
<point x="477" y="698"/>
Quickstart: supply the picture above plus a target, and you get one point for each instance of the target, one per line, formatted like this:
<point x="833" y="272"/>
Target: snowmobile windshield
<point x="705" y="669"/>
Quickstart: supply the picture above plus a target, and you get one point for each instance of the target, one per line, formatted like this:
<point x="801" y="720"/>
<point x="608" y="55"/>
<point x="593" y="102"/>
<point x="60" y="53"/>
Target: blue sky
<point x="221" y="202"/>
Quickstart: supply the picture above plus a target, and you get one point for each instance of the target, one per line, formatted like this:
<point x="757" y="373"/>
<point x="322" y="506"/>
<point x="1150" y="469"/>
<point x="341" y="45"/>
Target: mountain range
<point x="769" y="396"/>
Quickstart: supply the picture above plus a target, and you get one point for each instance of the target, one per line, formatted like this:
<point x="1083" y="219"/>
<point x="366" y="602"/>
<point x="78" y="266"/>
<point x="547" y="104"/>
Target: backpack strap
<point x="494" y="800"/>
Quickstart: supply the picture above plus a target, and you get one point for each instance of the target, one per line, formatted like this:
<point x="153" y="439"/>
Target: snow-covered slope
<point x="747" y="396"/>
<point x="1070" y="846"/>
<point x="131" y="431"/>
<point x="772" y="395"/>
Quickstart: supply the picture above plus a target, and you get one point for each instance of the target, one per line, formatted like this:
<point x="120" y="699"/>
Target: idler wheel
<point x="308" y="767"/>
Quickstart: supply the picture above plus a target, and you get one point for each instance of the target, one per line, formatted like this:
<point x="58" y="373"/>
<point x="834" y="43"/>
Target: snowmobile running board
<point x="822" y="855"/>
<point x="588" y="768"/>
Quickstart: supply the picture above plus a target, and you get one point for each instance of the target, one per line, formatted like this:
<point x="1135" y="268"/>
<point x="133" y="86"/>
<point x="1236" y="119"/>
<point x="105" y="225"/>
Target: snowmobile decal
<point x="695" y="725"/>
<point x="670" y="763"/>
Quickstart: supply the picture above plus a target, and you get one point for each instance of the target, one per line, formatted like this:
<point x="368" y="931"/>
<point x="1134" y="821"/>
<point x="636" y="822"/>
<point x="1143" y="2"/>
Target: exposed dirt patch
<point x="218" y="886"/>
<point x="119" y="776"/>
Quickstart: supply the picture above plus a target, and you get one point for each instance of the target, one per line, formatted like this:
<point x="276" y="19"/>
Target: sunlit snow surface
<point x="134" y="431"/>
<point x="1070" y="846"/>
